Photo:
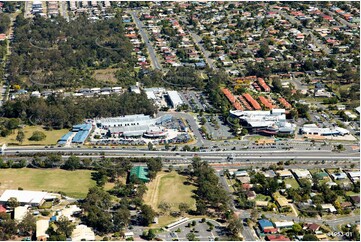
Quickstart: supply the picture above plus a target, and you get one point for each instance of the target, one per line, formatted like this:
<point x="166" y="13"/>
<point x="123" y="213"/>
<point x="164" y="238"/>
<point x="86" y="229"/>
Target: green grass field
<point x="294" y="184"/>
<point x="261" y="197"/>
<point x="74" y="183"/>
<point x="52" y="136"/>
<point x="169" y="187"/>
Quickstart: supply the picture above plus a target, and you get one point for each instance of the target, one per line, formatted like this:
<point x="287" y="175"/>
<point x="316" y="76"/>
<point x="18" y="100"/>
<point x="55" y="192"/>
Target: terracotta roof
<point x="266" y="102"/>
<point x="278" y="237"/>
<point x="253" y="102"/>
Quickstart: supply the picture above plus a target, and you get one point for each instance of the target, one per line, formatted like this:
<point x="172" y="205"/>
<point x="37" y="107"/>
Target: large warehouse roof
<point x="175" y="98"/>
<point x="26" y="197"/>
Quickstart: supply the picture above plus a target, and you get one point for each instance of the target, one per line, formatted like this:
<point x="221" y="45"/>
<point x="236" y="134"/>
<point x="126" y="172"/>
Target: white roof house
<point x="82" y="232"/>
<point x="329" y="207"/>
<point x="68" y="212"/>
<point x="32" y="198"/>
<point x="284" y="224"/>
<point x="355" y="176"/>
<point x="301" y="173"/>
<point x="41" y="228"/>
<point x="339" y="176"/>
<point x="128" y="235"/>
<point x="20" y="213"/>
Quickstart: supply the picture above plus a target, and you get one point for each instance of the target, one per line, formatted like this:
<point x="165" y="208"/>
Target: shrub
<point x="37" y="136"/>
<point x="45" y="212"/>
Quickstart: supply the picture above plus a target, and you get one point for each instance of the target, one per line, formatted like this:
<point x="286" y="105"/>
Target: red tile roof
<point x="266" y="102"/>
<point x="253" y="102"/>
<point x="2" y="36"/>
<point x="278" y="237"/>
<point x="271" y="230"/>
<point x="284" y="102"/>
<point x="232" y="99"/>
<point x="263" y="84"/>
<point x="2" y="209"/>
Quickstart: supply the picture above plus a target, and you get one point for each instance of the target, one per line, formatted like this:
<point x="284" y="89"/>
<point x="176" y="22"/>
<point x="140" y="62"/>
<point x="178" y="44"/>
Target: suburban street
<point x="197" y="39"/>
<point x="155" y="62"/>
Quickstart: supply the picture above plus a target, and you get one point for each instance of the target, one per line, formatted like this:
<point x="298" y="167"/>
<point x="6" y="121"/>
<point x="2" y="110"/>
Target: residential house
<point x="82" y="232"/>
<point x="281" y="201"/>
<point x="277" y="237"/>
<point x="311" y="227"/>
<point x="301" y="173"/>
<point x="329" y="208"/>
<point x="284" y="174"/>
<point x="354" y="176"/>
<point x="251" y="195"/>
<point x="284" y="224"/>
<point x="321" y="175"/>
<point x="269" y="174"/>
<point x="265" y="224"/>
<point x="41" y="227"/>
<point x="339" y="176"/>
<point x="355" y="200"/>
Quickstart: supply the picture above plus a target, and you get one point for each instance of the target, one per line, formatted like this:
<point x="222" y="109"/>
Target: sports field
<point x="52" y="136"/>
<point x="169" y="187"/>
<point x="74" y="183"/>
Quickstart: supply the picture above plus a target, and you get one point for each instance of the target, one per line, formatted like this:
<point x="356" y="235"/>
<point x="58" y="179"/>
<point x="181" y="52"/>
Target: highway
<point x="151" y="51"/>
<point x="215" y="156"/>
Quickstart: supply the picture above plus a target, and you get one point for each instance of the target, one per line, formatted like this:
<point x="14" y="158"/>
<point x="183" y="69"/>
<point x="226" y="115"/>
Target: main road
<point x="232" y="156"/>
<point x="144" y="35"/>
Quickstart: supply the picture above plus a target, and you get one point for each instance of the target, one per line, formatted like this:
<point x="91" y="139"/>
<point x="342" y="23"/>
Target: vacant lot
<point x="73" y="183"/>
<point x="106" y="76"/>
<point x="52" y="136"/>
<point x="170" y="188"/>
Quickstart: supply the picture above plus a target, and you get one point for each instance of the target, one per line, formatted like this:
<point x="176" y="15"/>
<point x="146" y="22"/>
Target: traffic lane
<point x="144" y="35"/>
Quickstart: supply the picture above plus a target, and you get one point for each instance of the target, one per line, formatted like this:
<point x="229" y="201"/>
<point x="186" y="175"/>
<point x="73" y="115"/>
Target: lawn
<point x="261" y="197"/>
<point x="351" y="193"/>
<point x="169" y="187"/>
<point x="73" y="183"/>
<point x="52" y="136"/>
<point x="294" y="184"/>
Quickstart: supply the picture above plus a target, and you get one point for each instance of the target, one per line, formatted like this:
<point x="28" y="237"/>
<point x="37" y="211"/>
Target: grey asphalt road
<point x="211" y="156"/>
<point x="206" y="53"/>
<point x="151" y="51"/>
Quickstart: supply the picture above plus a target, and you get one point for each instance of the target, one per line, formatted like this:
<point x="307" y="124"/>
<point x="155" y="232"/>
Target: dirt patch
<point x="106" y="75"/>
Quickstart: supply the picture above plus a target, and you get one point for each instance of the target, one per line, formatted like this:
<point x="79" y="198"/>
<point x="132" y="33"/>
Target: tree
<point x="277" y="85"/>
<point x="27" y="225"/>
<point x="183" y="207"/>
<point x="165" y="207"/>
<point x="72" y="163"/>
<point x="121" y="218"/>
<point x="150" y="146"/>
<point x="310" y="237"/>
<point x="37" y="136"/>
<point x="7" y="227"/>
<point x="151" y="234"/>
<point x="235" y="226"/>
<point x="20" y="136"/>
<point x="96" y="205"/>
<point x="191" y="237"/>
<point x="147" y="216"/>
<point x="296" y="228"/>
<point x="12" y="202"/>
<point x="65" y="226"/>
